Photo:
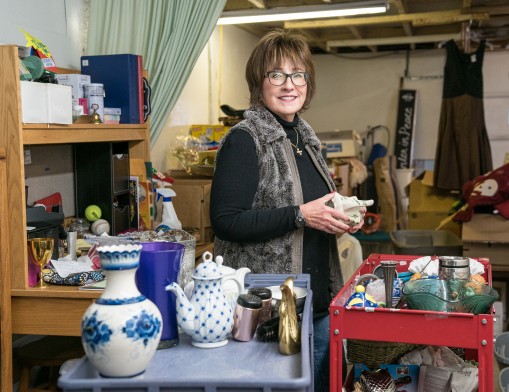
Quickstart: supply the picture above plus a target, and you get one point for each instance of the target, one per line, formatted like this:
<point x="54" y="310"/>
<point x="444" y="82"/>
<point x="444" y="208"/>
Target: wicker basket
<point x="374" y="353"/>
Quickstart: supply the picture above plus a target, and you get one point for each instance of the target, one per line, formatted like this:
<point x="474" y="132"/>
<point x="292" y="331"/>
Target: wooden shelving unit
<point x="54" y="310"/>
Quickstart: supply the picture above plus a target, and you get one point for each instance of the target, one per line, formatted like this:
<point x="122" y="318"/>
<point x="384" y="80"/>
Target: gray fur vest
<point x="279" y="186"/>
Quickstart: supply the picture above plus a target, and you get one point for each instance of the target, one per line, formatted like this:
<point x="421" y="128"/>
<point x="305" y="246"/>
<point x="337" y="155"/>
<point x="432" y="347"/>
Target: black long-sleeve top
<point x="233" y="219"/>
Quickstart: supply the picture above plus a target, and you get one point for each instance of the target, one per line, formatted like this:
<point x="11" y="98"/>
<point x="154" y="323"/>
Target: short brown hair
<point x="269" y="53"/>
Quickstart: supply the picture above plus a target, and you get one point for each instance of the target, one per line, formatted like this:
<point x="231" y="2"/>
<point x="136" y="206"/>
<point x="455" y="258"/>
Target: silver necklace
<point x="298" y="151"/>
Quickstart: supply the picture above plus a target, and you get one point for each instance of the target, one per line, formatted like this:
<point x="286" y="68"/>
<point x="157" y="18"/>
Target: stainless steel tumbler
<point x="453" y="267"/>
<point x="266" y="296"/>
<point x="245" y="319"/>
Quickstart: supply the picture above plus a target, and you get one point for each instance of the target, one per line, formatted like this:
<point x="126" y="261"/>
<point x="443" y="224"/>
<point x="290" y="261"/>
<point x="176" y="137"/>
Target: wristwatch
<point x="299" y="218"/>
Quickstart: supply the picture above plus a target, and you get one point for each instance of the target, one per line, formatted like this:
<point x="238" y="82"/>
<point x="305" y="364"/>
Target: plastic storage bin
<point x="503" y="380"/>
<point x="502" y="349"/>
<point x="472" y="332"/>
<point x="426" y="243"/>
<point x="237" y="366"/>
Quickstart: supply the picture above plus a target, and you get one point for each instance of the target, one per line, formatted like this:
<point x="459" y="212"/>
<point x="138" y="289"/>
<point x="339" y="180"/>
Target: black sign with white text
<point x="404" y="128"/>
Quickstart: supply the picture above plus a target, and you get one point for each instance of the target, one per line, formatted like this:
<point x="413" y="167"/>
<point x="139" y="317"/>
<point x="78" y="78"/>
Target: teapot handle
<point x="239" y="285"/>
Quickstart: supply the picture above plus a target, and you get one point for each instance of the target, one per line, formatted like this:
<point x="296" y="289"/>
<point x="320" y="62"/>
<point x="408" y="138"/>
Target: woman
<point x="271" y="185"/>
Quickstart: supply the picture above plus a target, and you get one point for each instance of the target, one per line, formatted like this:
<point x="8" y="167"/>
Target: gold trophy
<point x="40" y="250"/>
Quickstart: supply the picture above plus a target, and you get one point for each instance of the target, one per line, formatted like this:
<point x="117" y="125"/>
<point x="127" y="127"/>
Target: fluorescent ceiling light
<point x="303" y="12"/>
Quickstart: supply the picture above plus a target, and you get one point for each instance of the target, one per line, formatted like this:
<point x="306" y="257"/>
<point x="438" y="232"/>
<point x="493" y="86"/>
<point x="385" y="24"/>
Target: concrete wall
<point x="217" y="79"/>
<point x="57" y="23"/>
<point x="353" y="92"/>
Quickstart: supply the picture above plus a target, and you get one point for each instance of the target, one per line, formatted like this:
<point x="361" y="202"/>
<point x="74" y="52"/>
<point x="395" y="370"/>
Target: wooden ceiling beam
<point x="392" y="40"/>
<point x="493" y="11"/>
<point x="314" y="40"/>
<point x="443" y="16"/>
<point x="355" y="31"/>
<point x="258" y="3"/>
<point x="451" y="19"/>
<point x="407" y="27"/>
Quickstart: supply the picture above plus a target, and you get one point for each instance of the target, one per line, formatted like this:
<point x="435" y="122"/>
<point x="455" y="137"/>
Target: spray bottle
<point x="169" y="220"/>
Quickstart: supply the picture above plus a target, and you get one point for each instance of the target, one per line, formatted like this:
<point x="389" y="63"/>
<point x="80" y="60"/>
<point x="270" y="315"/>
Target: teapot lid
<point x="208" y="269"/>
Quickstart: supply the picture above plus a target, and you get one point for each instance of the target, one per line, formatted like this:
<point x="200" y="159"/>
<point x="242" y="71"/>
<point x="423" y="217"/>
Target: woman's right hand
<point x="320" y="216"/>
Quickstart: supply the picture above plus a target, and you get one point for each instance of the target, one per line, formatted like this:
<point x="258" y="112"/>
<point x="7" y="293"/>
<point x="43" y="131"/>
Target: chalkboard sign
<point x="404" y="129"/>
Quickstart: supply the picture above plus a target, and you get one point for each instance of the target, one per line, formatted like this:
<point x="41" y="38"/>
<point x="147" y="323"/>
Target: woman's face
<point x="285" y="100"/>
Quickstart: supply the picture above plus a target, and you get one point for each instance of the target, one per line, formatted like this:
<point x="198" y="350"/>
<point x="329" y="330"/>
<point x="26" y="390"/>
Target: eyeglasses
<point x="276" y="78"/>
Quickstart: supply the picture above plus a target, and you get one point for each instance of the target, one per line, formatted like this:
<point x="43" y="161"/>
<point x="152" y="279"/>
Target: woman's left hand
<point x="357" y="227"/>
<point x="320" y="216"/>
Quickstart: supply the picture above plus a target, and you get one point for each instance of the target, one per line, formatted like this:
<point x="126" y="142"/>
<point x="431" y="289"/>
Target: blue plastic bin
<point x="236" y="366"/>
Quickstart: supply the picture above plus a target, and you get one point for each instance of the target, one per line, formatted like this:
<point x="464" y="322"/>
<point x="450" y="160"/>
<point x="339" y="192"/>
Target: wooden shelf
<point x="54" y="310"/>
<point x="55" y="291"/>
<point x="82" y="133"/>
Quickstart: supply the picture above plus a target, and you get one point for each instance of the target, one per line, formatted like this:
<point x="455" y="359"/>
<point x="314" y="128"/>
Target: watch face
<point x="299" y="219"/>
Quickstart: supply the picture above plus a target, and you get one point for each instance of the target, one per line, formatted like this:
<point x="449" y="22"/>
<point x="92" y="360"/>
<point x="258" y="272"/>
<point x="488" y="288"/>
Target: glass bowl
<point x="454" y="295"/>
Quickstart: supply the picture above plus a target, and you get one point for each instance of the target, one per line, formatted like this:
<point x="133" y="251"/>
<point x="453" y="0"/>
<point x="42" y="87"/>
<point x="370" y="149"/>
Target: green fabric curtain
<point x="169" y="34"/>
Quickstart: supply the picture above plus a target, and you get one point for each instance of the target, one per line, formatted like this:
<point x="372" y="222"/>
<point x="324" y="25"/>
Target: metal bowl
<point x="454" y="295"/>
<point x="300" y="292"/>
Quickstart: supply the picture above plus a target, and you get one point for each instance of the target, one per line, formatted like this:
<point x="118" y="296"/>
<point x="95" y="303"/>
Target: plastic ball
<point x="100" y="226"/>
<point x="92" y="213"/>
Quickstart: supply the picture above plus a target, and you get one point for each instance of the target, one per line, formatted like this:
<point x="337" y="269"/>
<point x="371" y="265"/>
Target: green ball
<point x="92" y="213"/>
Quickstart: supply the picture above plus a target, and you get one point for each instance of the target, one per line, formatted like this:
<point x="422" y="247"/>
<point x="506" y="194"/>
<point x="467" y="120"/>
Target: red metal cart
<point x="472" y="332"/>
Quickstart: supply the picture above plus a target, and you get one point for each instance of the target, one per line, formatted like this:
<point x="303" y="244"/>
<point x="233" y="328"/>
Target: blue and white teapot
<point x="208" y="316"/>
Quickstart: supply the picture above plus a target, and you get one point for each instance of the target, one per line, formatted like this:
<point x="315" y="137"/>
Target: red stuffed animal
<point x="491" y="189"/>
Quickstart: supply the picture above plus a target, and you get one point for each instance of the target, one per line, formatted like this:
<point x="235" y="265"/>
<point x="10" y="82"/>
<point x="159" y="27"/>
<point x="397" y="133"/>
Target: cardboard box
<point x="405" y="376"/>
<point x="498" y="326"/>
<point x="209" y="134"/>
<point x="76" y="81"/>
<point x="486" y="228"/>
<point x="46" y="103"/>
<point x="487" y="235"/>
<point x="423" y="196"/>
<point x="192" y="205"/>
<point x="145" y="205"/>
<point x="428" y="206"/>
<point x="342" y="177"/>
<point x="339" y="144"/>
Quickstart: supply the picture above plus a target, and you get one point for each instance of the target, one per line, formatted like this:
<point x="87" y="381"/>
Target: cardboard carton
<point x="427" y="206"/>
<point x="487" y="235"/>
<point x="342" y="177"/>
<point x="192" y="205"/>
<point x="76" y="81"/>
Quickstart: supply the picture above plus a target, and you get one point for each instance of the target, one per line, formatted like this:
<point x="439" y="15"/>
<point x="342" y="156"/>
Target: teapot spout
<point x="185" y="312"/>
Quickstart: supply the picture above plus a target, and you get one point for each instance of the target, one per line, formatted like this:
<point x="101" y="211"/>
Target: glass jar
<point x="81" y="226"/>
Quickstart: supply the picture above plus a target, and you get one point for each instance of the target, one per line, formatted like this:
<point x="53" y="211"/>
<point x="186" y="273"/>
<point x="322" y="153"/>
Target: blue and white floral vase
<point x="120" y="331"/>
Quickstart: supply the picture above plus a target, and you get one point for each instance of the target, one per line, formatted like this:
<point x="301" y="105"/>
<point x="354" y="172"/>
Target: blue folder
<point x="121" y="78"/>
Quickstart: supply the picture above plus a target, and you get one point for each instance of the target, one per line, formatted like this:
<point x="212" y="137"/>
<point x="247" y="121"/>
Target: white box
<point x="46" y="103"/>
<point x="498" y="327"/>
<point x="76" y="81"/>
<point x="340" y="144"/>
